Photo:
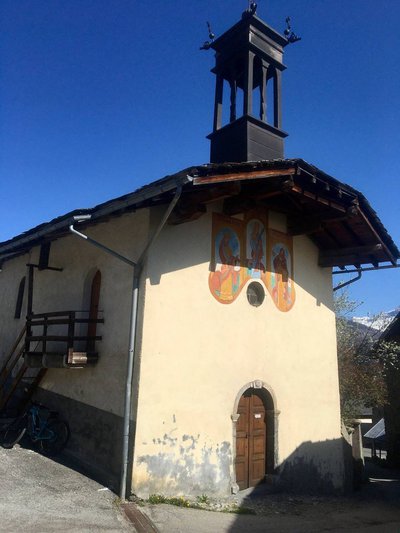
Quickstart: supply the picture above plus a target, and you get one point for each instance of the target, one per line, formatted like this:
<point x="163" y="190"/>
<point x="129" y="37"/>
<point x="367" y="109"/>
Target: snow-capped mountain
<point x="378" y="322"/>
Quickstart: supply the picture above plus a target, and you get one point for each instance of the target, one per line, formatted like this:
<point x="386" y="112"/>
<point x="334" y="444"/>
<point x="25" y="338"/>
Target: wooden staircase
<point x="48" y="340"/>
<point x="17" y="381"/>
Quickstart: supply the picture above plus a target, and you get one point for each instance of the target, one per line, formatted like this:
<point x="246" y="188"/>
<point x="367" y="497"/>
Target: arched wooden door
<point x="251" y="440"/>
<point x="93" y="310"/>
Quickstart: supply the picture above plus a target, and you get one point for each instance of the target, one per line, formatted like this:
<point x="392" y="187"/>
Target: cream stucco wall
<point x="194" y="354"/>
<point x="197" y="354"/>
<point x="11" y="275"/>
<point x="101" y="386"/>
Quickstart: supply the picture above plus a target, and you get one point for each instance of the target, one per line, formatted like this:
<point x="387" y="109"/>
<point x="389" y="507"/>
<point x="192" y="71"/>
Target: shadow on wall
<point x="94" y="447"/>
<point x="314" y="469"/>
<point x="318" y="468"/>
<point x="375" y="507"/>
<point x="179" y="250"/>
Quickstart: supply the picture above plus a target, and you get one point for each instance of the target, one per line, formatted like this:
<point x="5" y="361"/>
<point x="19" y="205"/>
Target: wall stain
<point x="186" y="469"/>
<point x="192" y="439"/>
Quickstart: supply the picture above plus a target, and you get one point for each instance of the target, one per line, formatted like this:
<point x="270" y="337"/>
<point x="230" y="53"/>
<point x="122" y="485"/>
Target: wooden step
<point x="60" y="360"/>
<point x="61" y="338"/>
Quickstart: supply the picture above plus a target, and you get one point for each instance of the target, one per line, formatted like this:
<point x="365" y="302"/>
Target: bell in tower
<point x="248" y="59"/>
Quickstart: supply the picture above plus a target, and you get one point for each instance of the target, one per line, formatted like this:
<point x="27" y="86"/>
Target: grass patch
<point x="157" y="498"/>
<point x="202" y="502"/>
<point x="239" y="510"/>
<point x="178" y="501"/>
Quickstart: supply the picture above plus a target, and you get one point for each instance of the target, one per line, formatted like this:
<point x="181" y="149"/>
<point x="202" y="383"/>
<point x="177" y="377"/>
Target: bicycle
<point x="43" y="427"/>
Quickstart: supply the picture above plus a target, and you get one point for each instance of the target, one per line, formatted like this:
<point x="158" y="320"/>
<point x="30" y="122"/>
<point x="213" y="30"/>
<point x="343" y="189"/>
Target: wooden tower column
<point x="248" y="85"/>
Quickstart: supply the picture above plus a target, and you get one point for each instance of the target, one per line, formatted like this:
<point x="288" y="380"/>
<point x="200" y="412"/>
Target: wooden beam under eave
<point x="343" y="261"/>
<point x="254" y="198"/>
<point x="238" y="204"/>
<point x="259" y="190"/>
<point x="391" y="257"/>
<point x="257" y="174"/>
<point x="306" y="225"/>
<point x="308" y="195"/>
<point x="201" y="195"/>
<point x="348" y="256"/>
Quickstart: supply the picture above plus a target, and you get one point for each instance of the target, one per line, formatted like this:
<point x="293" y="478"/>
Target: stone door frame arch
<point x="272" y="429"/>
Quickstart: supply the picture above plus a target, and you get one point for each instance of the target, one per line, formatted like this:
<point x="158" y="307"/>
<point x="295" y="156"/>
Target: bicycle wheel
<point x="14" y="432"/>
<point x="55" y="437"/>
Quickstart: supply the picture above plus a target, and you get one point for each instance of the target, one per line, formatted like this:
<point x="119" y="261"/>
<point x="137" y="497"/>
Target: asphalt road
<point x="39" y="495"/>
<point x="373" y="509"/>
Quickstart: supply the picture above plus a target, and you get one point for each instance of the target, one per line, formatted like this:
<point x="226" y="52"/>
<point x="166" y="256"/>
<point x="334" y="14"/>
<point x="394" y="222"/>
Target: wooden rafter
<point x="241" y="176"/>
<point x="351" y="255"/>
<point x="391" y="257"/>
<point x="318" y="198"/>
<point x="306" y="225"/>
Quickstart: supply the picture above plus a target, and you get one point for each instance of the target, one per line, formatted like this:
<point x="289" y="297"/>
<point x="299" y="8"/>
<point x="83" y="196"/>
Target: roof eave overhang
<point x="338" y="218"/>
<point x="335" y="216"/>
<point x="59" y="226"/>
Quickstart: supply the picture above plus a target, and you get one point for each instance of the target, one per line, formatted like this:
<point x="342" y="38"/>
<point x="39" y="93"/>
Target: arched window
<point x="93" y="309"/>
<point x="20" y="298"/>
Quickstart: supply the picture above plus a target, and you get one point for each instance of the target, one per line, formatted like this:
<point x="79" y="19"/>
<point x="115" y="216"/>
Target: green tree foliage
<point x="363" y="361"/>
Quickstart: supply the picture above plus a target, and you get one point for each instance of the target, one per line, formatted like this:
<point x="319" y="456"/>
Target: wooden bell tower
<point x="248" y="59"/>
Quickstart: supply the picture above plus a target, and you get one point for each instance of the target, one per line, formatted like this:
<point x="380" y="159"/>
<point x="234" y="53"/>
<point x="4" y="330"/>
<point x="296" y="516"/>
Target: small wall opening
<point x="255" y="294"/>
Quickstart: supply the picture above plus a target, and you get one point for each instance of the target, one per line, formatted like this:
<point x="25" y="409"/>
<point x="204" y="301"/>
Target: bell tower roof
<point x="248" y="59"/>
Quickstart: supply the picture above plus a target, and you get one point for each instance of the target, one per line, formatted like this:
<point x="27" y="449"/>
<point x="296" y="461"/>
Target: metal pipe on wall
<point x="138" y="266"/>
<point x="132" y="343"/>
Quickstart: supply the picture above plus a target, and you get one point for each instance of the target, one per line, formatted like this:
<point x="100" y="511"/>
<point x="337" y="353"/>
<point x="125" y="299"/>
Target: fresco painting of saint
<point x="281" y="286"/>
<point x="245" y="250"/>
<point x="226" y="281"/>
<point x="256" y="248"/>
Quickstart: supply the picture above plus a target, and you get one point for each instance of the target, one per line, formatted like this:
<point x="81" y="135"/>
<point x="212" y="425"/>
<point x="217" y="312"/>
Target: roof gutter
<point x="359" y="272"/>
<point x="349" y="282"/>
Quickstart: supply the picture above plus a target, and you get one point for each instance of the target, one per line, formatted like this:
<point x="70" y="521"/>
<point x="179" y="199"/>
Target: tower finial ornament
<point x="251" y="9"/>
<point x="289" y="34"/>
<point x="211" y="35"/>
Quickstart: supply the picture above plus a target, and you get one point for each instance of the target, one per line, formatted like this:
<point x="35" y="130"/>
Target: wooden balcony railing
<point x="54" y="337"/>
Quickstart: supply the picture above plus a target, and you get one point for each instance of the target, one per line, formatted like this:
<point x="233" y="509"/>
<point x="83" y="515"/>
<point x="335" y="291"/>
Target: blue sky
<point x="99" y="97"/>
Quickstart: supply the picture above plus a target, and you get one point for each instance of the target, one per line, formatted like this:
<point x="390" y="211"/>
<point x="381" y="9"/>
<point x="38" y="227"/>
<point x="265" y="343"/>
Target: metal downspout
<point x="138" y="267"/>
<point x="132" y="342"/>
